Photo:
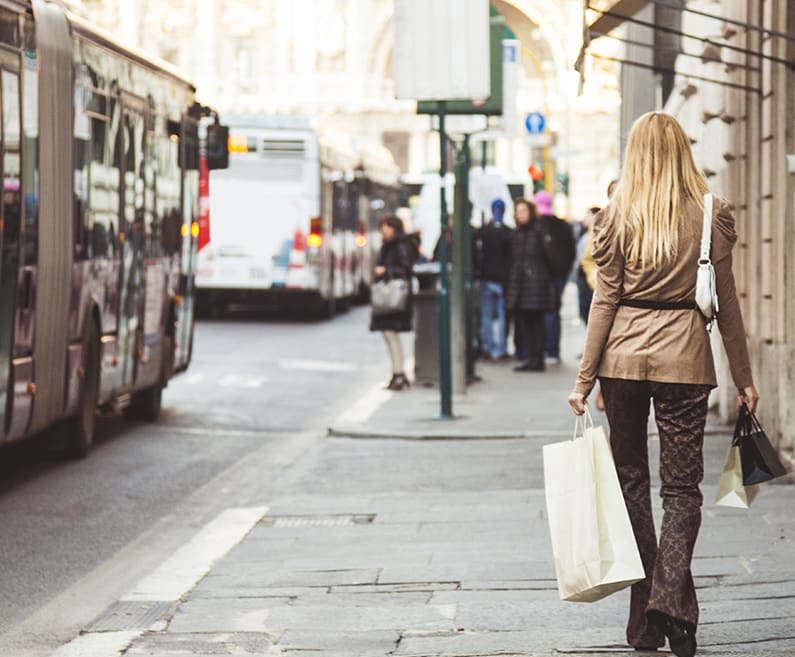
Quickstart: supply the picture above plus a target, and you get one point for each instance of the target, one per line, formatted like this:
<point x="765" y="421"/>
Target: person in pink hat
<point x="560" y="251"/>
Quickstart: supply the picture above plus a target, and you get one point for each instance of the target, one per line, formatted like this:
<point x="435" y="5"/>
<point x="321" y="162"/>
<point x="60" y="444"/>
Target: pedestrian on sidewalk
<point x="586" y="267"/>
<point x="530" y="292"/>
<point x="495" y="240"/>
<point x="394" y="261"/>
<point x="647" y="343"/>
<point x="560" y="250"/>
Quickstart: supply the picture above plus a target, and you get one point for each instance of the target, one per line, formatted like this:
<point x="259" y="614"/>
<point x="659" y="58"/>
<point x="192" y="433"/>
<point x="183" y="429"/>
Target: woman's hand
<point x="748" y="395"/>
<point x="379" y="270"/>
<point x="578" y="403"/>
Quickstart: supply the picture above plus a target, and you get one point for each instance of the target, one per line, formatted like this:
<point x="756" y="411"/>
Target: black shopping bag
<point x="759" y="459"/>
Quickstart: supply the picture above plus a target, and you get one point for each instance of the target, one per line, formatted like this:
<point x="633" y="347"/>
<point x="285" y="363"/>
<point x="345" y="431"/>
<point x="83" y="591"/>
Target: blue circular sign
<point x="535" y="123"/>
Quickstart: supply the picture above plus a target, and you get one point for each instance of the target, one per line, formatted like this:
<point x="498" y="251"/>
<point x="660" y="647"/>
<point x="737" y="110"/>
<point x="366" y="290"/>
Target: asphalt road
<point x="260" y="390"/>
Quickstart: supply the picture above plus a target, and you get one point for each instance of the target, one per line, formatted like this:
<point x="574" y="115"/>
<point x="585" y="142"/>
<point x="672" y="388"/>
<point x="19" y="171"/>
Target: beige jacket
<point x="670" y="346"/>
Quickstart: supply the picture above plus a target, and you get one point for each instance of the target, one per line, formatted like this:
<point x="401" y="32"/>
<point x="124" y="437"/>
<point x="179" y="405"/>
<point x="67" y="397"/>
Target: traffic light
<point x="537" y="176"/>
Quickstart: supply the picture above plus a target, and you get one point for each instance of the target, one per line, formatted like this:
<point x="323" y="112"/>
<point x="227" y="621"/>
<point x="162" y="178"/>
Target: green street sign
<point x="491" y="106"/>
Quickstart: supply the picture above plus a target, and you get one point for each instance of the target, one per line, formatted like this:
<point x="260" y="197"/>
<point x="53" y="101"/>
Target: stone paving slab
<point x="342" y="619"/>
<point x="225" y="615"/>
<point x="167" y="644"/>
<point x="361" y="644"/>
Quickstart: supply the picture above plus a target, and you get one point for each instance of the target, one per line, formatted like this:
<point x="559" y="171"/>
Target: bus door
<point x="189" y="160"/>
<point x="132" y="135"/>
<point x="10" y="217"/>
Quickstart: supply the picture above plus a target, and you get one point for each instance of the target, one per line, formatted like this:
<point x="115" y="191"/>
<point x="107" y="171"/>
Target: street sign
<point x="441" y="49"/>
<point x="535" y="123"/>
<point x="492" y="103"/>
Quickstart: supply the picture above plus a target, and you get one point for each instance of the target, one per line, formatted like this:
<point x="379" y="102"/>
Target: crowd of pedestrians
<point x="522" y="273"/>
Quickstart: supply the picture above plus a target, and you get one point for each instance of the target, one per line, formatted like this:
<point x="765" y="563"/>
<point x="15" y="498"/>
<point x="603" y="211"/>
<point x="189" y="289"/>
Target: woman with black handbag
<point x="647" y="342"/>
<point x="391" y="294"/>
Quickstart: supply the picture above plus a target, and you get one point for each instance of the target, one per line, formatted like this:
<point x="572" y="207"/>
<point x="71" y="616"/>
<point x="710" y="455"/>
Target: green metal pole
<point x="484" y="146"/>
<point x="467" y="165"/>
<point x="445" y="369"/>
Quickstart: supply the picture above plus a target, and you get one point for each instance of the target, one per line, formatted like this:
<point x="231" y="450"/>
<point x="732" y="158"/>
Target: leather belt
<point x="658" y="305"/>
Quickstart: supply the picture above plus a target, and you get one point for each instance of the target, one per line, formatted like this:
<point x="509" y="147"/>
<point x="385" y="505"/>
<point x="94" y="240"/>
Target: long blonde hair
<point x="658" y="177"/>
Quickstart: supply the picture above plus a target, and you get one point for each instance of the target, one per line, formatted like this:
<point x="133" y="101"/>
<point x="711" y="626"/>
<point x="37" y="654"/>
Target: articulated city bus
<point x="99" y="160"/>
<point x="289" y="218"/>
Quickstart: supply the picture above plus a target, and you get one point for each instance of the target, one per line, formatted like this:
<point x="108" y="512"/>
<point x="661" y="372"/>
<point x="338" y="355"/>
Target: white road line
<point x="183" y="570"/>
<point x="315" y="365"/>
<point x="237" y="381"/>
<point x="98" y="644"/>
<point x="365" y="407"/>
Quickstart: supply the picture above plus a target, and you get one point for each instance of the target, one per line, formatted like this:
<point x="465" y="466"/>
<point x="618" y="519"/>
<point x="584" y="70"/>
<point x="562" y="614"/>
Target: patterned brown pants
<point x="680" y="411"/>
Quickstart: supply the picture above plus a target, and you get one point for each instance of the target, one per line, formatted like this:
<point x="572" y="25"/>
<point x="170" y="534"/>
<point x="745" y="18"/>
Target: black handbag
<point x="759" y="459"/>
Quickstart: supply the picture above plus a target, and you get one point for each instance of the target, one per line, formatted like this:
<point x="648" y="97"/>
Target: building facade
<point x="332" y="59"/>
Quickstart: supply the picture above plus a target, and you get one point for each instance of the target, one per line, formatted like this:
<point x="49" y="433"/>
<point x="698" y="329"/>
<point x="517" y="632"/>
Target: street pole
<point x="484" y="149"/>
<point x="458" y="296"/>
<point x="470" y="355"/>
<point x="445" y="373"/>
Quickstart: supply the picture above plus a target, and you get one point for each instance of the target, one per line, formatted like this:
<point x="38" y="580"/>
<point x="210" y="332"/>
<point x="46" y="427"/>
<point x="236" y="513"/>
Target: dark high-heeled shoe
<point x="398" y="382"/>
<point x="681" y="638"/>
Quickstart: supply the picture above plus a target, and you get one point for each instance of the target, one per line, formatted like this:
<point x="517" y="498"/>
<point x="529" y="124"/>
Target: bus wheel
<point x="80" y="428"/>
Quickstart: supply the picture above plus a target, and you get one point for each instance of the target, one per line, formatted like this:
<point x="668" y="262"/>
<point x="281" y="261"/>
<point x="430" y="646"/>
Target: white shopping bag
<point x="731" y="491"/>
<point x="592" y="539"/>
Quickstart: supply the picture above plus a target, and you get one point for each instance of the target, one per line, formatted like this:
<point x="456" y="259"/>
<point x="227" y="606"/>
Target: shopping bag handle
<point x="747" y="424"/>
<point x="581" y="423"/>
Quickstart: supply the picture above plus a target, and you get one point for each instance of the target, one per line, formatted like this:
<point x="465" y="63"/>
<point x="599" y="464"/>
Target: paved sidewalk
<point x="393" y="547"/>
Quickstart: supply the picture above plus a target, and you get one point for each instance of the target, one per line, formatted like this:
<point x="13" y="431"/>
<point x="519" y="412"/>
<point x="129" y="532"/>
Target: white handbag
<point x="593" y="543"/>
<point x="706" y="287"/>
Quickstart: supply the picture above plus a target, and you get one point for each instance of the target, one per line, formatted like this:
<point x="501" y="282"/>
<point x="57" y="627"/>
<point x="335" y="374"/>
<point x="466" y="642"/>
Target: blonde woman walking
<point x="647" y="343"/>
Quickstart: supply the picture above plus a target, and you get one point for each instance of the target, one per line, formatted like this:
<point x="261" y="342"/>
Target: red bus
<point x="99" y="158"/>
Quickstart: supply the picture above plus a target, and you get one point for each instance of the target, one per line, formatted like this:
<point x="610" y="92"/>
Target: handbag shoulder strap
<point x="706" y="231"/>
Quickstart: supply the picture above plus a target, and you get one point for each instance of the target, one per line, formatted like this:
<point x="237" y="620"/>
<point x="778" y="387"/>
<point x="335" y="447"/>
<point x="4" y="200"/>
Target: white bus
<point x="287" y="220"/>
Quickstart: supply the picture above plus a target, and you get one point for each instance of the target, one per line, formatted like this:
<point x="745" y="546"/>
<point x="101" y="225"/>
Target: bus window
<point x="30" y="159"/>
<point x="12" y="190"/>
<point x="9" y="223"/>
<point x="168" y="194"/>
<point x="9" y="28"/>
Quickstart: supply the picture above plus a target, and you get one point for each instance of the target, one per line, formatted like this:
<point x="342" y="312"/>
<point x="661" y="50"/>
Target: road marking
<point x="237" y="381"/>
<point x="299" y="364"/>
<point x="183" y="570"/>
<point x="98" y="644"/>
<point x="365" y="407"/>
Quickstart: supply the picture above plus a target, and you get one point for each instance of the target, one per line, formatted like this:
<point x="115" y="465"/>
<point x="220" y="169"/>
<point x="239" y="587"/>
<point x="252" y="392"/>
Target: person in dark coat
<point x="495" y="266"/>
<point x="561" y="251"/>
<point x="530" y="290"/>
<point x="394" y="261"/>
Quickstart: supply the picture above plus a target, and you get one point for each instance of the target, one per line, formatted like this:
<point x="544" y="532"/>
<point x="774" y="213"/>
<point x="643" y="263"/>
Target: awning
<point x="614" y="15"/>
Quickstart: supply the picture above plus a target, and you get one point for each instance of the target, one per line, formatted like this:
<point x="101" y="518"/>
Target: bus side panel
<point x="22" y="401"/>
<point x="109" y="367"/>
<point x="55" y="231"/>
<point x="153" y="327"/>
